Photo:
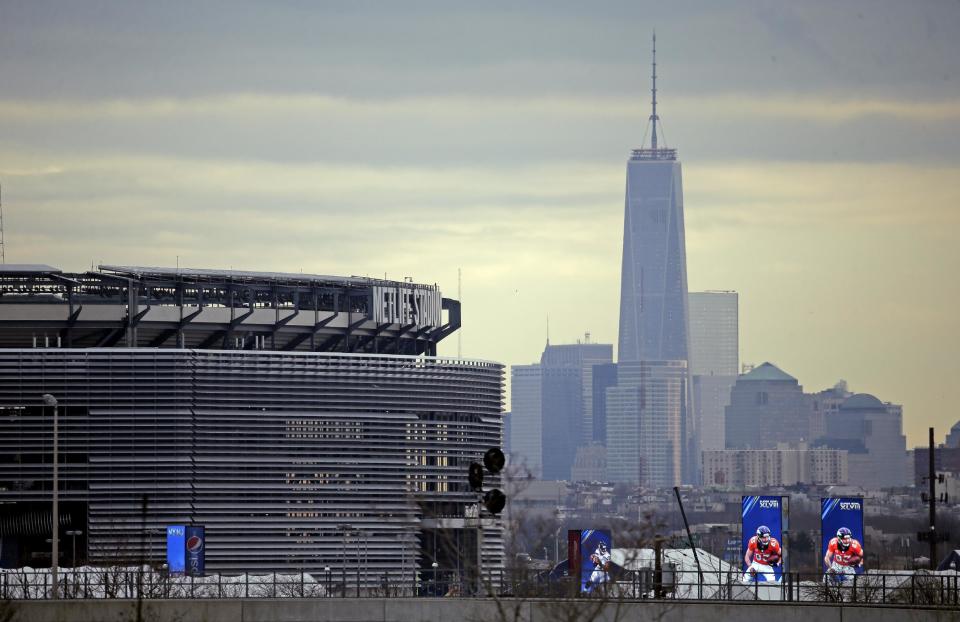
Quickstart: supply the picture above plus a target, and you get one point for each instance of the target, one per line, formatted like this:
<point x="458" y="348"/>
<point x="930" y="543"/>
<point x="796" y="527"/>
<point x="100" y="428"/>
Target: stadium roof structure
<point x="28" y="268"/>
<point x="137" y="306"/>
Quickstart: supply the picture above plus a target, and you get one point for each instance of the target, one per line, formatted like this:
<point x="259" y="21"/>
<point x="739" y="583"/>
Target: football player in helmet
<point x="601" y="566"/>
<point x="763" y="553"/>
<point x="844" y="555"/>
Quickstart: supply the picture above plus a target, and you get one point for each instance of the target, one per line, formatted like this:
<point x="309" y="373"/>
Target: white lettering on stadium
<point x="769" y="503"/>
<point x="849" y="505"/>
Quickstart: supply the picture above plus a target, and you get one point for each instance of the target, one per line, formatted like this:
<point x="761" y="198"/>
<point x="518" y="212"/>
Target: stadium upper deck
<point x="130" y="306"/>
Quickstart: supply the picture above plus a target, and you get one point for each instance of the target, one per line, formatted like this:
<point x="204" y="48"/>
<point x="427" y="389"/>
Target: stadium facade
<point x="304" y="420"/>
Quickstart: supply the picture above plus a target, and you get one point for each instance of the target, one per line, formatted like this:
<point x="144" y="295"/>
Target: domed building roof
<point x="767" y="371"/>
<point x="862" y="401"/>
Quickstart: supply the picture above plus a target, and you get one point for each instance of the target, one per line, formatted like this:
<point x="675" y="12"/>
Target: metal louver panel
<point x="275" y="453"/>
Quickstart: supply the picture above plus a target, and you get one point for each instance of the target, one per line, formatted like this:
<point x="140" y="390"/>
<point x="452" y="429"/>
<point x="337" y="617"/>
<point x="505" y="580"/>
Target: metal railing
<point x="892" y="588"/>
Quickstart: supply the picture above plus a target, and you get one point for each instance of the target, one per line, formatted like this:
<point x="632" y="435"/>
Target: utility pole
<point x="683" y="514"/>
<point x="51" y="401"/>
<point x="3" y="252"/>
<point x="932" y="481"/>
<point x="459" y="332"/>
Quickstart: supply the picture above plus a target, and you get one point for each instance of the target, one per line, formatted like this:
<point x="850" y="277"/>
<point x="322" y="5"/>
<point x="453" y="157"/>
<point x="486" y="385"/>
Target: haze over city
<point x="819" y="146"/>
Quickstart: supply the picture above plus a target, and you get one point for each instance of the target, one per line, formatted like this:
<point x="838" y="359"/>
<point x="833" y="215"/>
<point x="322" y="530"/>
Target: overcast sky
<point x="819" y="142"/>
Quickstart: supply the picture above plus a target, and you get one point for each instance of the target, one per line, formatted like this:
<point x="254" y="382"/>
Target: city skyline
<point x="819" y="145"/>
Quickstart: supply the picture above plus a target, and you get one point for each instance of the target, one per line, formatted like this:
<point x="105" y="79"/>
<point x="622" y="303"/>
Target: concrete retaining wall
<point x="454" y="610"/>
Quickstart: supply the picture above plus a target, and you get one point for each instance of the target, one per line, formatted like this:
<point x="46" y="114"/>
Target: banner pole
<point x="676" y="491"/>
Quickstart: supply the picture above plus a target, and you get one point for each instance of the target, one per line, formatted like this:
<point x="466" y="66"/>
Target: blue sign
<point x="195" y="546"/>
<point x="176" y="549"/>
<point x="761" y="538"/>
<point x="596" y="547"/>
<point x="841" y="536"/>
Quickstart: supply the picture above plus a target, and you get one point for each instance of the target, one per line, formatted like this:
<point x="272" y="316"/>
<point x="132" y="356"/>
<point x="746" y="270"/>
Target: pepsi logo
<point x="194" y="544"/>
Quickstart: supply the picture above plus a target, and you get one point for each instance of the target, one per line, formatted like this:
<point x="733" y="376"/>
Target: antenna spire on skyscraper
<point x="653" y="116"/>
<point x="655" y="152"/>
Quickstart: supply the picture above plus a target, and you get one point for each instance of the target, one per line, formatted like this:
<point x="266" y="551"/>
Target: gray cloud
<point x="124" y="49"/>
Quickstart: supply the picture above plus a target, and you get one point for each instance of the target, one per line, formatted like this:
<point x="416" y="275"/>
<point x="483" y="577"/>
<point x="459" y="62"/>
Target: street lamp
<point x="346" y="529"/>
<point x="74" y="533"/>
<point x="49" y="400"/>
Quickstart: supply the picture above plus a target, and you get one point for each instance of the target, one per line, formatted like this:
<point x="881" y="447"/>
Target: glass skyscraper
<point x="526" y="423"/>
<point x="644" y="423"/>
<point x="714" y="334"/>
<point x="653" y="300"/>
<point x="653" y="288"/>
<point x="567" y="402"/>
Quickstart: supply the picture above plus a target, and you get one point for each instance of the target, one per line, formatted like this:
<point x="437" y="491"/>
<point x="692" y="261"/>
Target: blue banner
<point x="176" y="549"/>
<point x="596" y="547"/>
<point x="761" y="539"/>
<point x="841" y="536"/>
<point x="195" y="548"/>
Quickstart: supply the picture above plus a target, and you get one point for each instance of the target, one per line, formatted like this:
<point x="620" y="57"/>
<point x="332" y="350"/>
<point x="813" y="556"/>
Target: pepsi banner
<point x="195" y="545"/>
<point x="841" y="536"/>
<point x="596" y="546"/>
<point x="176" y="549"/>
<point x="761" y="537"/>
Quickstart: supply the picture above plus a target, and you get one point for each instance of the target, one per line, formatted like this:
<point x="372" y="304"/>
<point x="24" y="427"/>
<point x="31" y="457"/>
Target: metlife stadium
<point x="304" y="420"/>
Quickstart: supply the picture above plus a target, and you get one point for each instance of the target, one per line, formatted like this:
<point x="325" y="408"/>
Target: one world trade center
<point x="649" y="432"/>
<point x="653" y="288"/>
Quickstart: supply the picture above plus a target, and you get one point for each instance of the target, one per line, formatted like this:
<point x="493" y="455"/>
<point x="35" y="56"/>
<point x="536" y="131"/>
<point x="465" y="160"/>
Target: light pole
<point x="74" y="533"/>
<point x="346" y="530"/>
<point x="49" y="400"/>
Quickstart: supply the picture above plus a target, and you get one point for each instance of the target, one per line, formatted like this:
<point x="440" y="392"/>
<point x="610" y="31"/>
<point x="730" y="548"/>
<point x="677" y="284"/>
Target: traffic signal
<point x="494" y="500"/>
<point x="475" y="476"/>
<point x="494" y="460"/>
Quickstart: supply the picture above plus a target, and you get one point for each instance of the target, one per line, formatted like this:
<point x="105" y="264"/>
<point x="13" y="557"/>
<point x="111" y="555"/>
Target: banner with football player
<point x="841" y="536"/>
<point x="596" y="563"/>
<point x="761" y="535"/>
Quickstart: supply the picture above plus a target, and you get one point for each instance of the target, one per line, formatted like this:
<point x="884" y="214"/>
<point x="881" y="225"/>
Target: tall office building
<point x="767" y="406"/>
<point x="644" y="423"/>
<point x="525" y="418"/>
<point x="953" y="437"/>
<point x="653" y="288"/>
<point x="823" y="405"/>
<point x="604" y="376"/>
<point x="714" y="360"/>
<point x="872" y="433"/>
<point x="711" y="396"/>
<point x="567" y="402"/>
<point x="714" y="333"/>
